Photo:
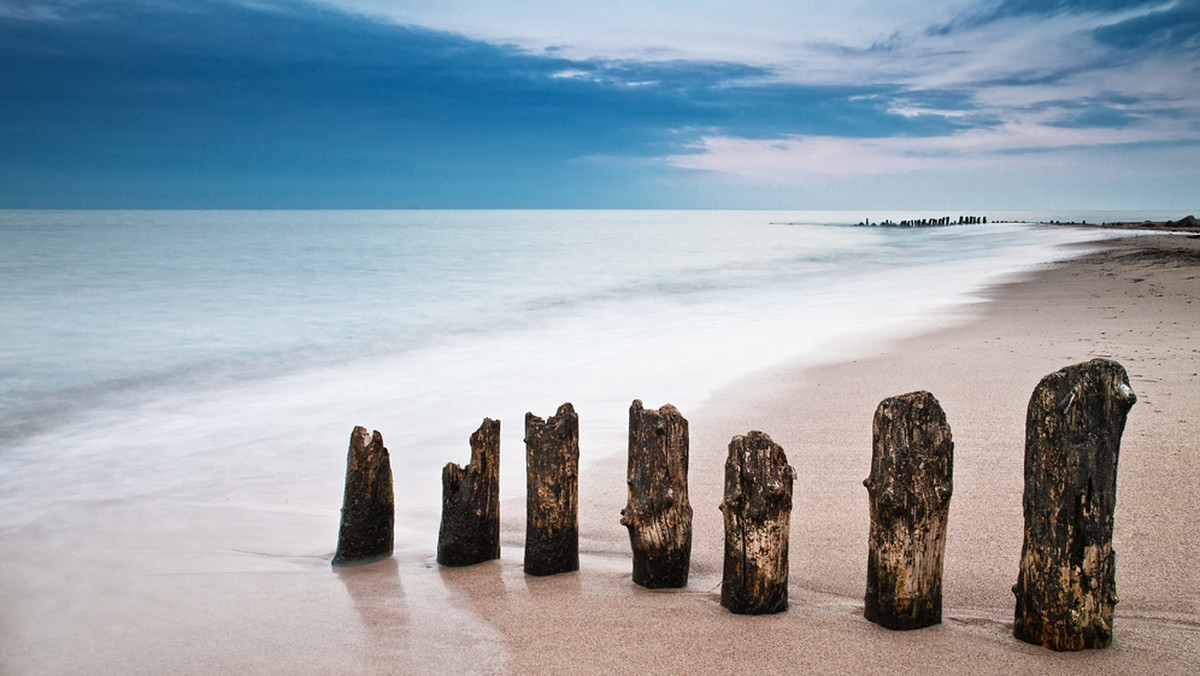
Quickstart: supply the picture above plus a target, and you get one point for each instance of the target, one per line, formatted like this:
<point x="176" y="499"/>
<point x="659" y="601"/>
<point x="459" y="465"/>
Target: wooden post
<point x="470" y="530"/>
<point x="658" y="516"/>
<point x="552" y="493"/>
<point x="1066" y="588"/>
<point x="368" y="504"/>
<point x="757" y="509"/>
<point x="910" y="485"/>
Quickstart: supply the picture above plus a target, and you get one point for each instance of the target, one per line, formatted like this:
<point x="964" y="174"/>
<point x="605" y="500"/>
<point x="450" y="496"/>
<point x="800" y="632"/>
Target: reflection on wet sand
<point x="414" y="621"/>
<point x="379" y="601"/>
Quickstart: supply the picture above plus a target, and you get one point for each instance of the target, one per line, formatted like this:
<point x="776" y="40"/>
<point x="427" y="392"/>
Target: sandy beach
<point x="85" y="592"/>
<point x="1135" y="303"/>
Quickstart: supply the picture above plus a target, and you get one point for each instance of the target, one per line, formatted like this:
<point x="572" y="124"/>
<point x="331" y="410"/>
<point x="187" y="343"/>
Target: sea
<point x="225" y="356"/>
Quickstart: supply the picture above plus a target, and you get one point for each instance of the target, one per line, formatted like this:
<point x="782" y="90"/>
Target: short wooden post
<point x="470" y="530"/>
<point x="658" y="516"/>
<point x="368" y="504"/>
<point x="552" y="492"/>
<point x="910" y="484"/>
<point x="757" y="509"/>
<point x="1066" y="588"/>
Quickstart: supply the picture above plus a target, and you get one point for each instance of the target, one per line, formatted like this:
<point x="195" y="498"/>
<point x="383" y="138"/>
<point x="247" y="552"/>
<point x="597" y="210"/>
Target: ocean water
<point x="226" y="356"/>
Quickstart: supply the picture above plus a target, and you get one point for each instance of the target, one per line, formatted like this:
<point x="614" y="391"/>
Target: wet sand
<point x="214" y="587"/>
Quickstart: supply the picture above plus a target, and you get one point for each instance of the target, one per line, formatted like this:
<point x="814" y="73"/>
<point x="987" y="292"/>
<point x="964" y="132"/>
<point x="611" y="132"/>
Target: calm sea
<point x="227" y="355"/>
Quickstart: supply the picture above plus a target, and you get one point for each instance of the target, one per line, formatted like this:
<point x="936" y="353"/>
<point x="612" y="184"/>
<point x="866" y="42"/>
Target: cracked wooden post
<point x="910" y="484"/>
<point x="658" y="515"/>
<point x="1066" y="588"/>
<point x="368" y="504"/>
<point x="470" y="530"/>
<point x="552" y="492"/>
<point x="757" y="509"/>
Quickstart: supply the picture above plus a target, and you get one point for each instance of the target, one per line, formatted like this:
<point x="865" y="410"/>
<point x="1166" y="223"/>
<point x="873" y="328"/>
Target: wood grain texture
<point x="658" y="514"/>
<point x="470" y="528"/>
<point x="552" y="492"/>
<point x="910" y="485"/>
<point x="1066" y="588"/>
<point x="757" y="509"/>
<point x="367" y="528"/>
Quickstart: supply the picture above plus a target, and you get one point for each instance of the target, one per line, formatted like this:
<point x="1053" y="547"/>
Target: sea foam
<point x="228" y="355"/>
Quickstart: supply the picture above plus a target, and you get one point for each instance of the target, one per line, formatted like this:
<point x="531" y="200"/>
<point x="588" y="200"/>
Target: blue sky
<point x="971" y="104"/>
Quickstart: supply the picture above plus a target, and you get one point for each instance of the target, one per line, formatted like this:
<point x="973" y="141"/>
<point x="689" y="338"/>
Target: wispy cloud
<point x="1118" y="10"/>
<point x="803" y="158"/>
<point x="1018" y="78"/>
<point x="1174" y="27"/>
<point x="756" y="32"/>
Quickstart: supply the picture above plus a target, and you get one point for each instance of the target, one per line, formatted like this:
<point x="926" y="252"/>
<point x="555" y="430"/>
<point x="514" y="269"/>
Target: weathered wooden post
<point x="552" y="492"/>
<point x="658" y="516"/>
<point x="1066" y="588"/>
<point x="368" y="504"/>
<point x="910" y="484"/>
<point x="758" y="510"/>
<point x="470" y="530"/>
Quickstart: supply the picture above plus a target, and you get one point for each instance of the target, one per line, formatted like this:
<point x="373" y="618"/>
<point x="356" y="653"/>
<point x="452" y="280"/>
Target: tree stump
<point x="757" y="509"/>
<point x="552" y="493"/>
<point x="1066" y="588"/>
<point x="368" y="504"/>
<point x="470" y="530"/>
<point x="910" y="485"/>
<point x="658" y="516"/>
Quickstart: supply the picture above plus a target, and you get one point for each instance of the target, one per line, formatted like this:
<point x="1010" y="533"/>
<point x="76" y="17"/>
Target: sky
<point x="859" y="104"/>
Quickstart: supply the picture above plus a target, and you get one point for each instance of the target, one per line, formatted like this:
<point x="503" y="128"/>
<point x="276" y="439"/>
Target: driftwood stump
<point x="368" y="504"/>
<point x="910" y="484"/>
<point x="1066" y="588"/>
<point x="552" y="493"/>
<point x="757" y="509"/>
<point x="470" y="530"/>
<point x="658" y="516"/>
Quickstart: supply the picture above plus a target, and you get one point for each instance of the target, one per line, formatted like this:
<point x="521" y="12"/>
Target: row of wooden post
<point x="1065" y="590"/>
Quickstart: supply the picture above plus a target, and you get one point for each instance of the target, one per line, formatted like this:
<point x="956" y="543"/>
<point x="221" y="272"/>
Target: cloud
<point x="800" y="160"/>
<point x="222" y="103"/>
<point x="458" y="103"/>
<point x="758" y="32"/>
<point x="147" y="68"/>
<point x="982" y="14"/>
<point x="1173" y="28"/>
<point x="1095" y="114"/>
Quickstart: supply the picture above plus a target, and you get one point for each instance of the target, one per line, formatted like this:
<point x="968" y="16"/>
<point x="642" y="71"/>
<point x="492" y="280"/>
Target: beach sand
<point x="265" y="600"/>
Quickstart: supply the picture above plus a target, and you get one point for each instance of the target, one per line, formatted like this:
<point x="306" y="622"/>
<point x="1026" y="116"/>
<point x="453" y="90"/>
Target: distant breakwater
<point x="939" y="222"/>
<point x="1185" y="224"/>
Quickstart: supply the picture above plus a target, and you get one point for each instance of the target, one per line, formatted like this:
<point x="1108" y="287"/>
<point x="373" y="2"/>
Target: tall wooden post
<point x="758" y="510"/>
<point x="658" y="516"/>
<point x="1066" y="588"/>
<point x="470" y="530"/>
<point x="552" y="492"/>
<point x="909" y="487"/>
<point x="368" y="504"/>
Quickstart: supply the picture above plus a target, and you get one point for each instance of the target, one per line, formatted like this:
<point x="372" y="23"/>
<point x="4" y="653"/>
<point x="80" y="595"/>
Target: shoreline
<point x="267" y="602"/>
<point x="1127" y="301"/>
<point x="1187" y="224"/>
